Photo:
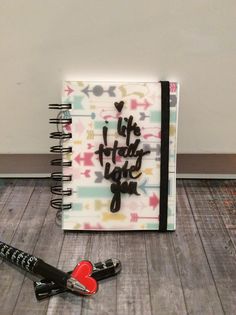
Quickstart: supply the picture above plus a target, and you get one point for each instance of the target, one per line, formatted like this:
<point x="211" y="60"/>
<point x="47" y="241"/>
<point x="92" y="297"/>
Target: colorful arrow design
<point x="77" y="102"/>
<point x="89" y="146"/>
<point x="109" y="114"/>
<point x="88" y="226"/>
<point x="109" y="216"/>
<point x="118" y="158"/>
<point x="152" y="226"/>
<point x="131" y="89"/>
<point x="143" y="116"/>
<point x="155" y="116"/>
<point x="86" y="173"/>
<point x="173" y="100"/>
<point x="152" y="135"/>
<point x="91" y="134"/>
<point x="91" y="115"/>
<point x="99" y="177"/>
<point x="143" y="186"/>
<point x="134" y="217"/>
<point x="133" y="204"/>
<point x="134" y="104"/>
<point x="68" y="90"/>
<point x="148" y="171"/>
<point x="95" y="191"/>
<point x="98" y="204"/>
<point x="173" y="87"/>
<point x="66" y="114"/>
<point x="98" y="90"/>
<point x="86" y="159"/>
<point x="77" y="206"/>
<point x="112" y="124"/>
<point x="77" y="142"/>
<point x="67" y="127"/>
<point x="153" y="201"/>
<point x="155" y="149"/>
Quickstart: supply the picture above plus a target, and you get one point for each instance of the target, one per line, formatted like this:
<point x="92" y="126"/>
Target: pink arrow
<point x="132" y="204"/>
<point x="173" y="87"/>
<point x="86" y="173"/>
<point x="134" y="217"/>
<point x="118" y="159"/>
<point x="109" y="116"/>
<point x="88" y="226"/>
<point x="87" y="158"/>
<point x="148" y="135"/>
<point x="89" y="145"/>
<point x="153" y="201"/>
<point x="67" y="127"/>
<point x="144" y="128"/>
<point x="134" y="104"/>
<point x="69" y="90"/>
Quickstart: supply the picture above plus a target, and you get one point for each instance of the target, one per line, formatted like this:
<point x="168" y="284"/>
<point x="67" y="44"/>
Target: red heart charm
<point x="82" y="273"/>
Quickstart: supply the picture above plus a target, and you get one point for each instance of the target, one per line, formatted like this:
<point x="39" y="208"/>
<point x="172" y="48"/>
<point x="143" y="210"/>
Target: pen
<point x="101" y="270"/>
<point x="36" y="265"/>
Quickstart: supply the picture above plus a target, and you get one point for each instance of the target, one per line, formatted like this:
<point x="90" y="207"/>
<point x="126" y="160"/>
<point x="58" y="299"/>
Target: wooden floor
<point x="190" y="271"/>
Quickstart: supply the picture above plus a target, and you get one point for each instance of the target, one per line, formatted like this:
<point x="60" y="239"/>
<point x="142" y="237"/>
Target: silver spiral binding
<point x="57" y="203"/>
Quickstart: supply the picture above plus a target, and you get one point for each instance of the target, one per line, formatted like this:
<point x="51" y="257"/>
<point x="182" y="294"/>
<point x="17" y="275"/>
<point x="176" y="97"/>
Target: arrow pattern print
<point x="92" y="109"/>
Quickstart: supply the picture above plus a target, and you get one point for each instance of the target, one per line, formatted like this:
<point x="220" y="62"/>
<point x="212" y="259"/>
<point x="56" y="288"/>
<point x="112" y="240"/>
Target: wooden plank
<point x="198" y="285"/>
<point x="133" y="296"/>
<point x="224" y="198"/>
<point x="76" y="246"/>
<point x="217" y="244"/>
<point x="6" y="187"/>
<point x="175" y="258"/>
<point x="104" y="245"/>
<point x="48" y="247"/>
<point x="165" y="285"/>
<point x="14" y="208"/>
<point x="25" y="238"/>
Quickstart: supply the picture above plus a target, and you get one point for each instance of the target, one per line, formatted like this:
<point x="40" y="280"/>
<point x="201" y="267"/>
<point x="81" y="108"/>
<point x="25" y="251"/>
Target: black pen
<point x="101" y="270"/>
<point x="36" y="265"/>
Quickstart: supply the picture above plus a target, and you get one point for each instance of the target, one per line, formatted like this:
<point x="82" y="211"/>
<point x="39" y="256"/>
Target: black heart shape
<point x="119" y="106"/>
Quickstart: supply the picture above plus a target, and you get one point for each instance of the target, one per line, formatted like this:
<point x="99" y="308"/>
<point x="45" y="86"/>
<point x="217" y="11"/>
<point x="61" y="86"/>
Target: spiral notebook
<point x="118" y="146"/>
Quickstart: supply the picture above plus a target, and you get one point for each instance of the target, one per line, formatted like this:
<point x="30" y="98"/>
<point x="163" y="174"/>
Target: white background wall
<point x="191" y="41"/>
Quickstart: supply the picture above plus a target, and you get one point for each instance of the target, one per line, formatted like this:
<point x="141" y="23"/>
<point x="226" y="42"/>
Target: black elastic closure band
<point x="164" y="168"/>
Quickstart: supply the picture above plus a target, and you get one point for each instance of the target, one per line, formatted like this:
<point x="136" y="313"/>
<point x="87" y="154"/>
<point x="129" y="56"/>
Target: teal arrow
<point x="77" y="206"/>
<point x="144" y="186"/>
<point x="99" y="124"/>
<point x="94" y="192"/>
<point x="155" y="116"/>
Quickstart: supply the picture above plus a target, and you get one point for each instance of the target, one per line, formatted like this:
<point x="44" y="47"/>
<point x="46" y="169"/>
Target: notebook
<point x="118" y="146"/>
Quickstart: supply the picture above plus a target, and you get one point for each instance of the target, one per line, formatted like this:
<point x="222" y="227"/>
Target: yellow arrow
<point x="77" y="142"/>
<point x="148" y="171"/>
<point x="113" y="216"/>
<point x="99" y="204"/>
<point x="77" y="226"/>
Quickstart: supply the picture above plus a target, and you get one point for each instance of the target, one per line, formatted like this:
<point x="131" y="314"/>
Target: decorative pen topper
<point x="45" y="288"/>
<point x="82" y="273"/>
<point x="79" y="281"/>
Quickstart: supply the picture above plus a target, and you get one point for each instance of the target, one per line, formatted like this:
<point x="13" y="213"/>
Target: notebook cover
<point x="116" y="154"/>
